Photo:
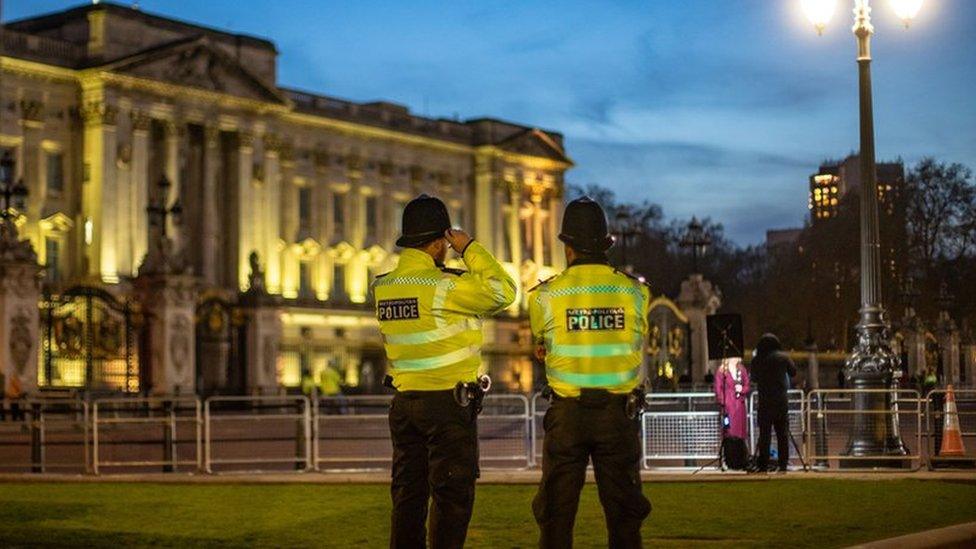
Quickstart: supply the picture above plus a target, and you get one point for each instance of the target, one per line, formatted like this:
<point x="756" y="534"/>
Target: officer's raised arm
<point x="486" y="287"/>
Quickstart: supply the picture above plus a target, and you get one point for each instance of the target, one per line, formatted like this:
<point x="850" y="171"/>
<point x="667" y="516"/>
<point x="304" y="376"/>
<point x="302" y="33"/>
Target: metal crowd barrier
<point x="796" y="410"/>
<point x="832" y="420"/>
<point x="144" y="428"/>
<point x="934" y="418"/>
<point x="505" y="431"/>
<point x="538" y="408"/>
<point x="351" y="432"/>
<point x="45" y="434"/>
<point x="257" y="413"/>
<point x="681" y="429"/>
<point x="678" y="430"/>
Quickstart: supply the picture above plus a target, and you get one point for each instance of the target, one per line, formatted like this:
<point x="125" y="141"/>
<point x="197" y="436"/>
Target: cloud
<point x="748" y="191"/>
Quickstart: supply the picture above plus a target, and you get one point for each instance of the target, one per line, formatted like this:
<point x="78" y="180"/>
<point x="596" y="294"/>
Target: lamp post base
<point x="875" y="433"/>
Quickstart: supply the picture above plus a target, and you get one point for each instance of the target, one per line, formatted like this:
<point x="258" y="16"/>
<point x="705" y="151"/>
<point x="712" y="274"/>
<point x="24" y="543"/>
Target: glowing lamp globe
<point x="819" y="12"/>
<point x="906" y="10"/>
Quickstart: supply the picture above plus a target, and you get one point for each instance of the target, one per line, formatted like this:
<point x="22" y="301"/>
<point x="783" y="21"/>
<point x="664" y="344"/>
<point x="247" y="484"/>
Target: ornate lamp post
<point x="872" y="364"/>
<point x="12" y="195"/>
<point x="697" y="239"/>
<point x="159" y="212"/>
<point x="625" y="229"/>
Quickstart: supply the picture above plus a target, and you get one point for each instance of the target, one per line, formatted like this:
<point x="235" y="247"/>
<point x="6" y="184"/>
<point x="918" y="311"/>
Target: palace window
<point x="338" y="214"/>
<point x="52" y="260"/>
<point x="338" y="282"/>
<point x="55" y="171"/>
<point x="305" y="279"/>
<point x="305" y="207"/>
<point x="372" y="226"/>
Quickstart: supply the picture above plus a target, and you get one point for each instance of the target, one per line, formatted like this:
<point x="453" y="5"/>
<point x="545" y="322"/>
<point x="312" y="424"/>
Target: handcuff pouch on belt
<point x="472" y="393"/>
<point x="636" y="403"/>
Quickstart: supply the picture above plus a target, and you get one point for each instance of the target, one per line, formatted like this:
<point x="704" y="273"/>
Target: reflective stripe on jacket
<point x="592" y="321"/>
<point x="430" y="316"/>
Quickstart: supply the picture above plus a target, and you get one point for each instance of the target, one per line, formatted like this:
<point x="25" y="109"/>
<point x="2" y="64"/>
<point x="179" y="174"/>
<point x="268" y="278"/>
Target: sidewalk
<point x="487" y="477"/>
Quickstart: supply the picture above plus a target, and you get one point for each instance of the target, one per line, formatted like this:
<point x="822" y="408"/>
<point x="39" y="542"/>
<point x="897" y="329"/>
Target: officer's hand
<point x="540" y="353"/>
<point x="457" y="238"/>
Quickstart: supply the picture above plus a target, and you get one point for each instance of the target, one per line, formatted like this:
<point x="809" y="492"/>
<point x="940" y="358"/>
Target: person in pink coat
<point x="731" y="390"/>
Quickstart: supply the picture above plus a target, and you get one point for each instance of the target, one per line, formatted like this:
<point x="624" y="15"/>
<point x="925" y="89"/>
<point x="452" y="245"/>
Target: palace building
<point x="106" y="111"/>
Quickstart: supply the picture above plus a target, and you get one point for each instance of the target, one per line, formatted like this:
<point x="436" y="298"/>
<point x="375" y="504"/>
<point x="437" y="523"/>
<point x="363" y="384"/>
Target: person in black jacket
<point x="771" y="371"/>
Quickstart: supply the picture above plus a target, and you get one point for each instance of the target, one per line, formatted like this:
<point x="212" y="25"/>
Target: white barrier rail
<point x="833" y="421"/>
<point x="352" y="433"/>
<point x="680" y="427"/>
<point x="252" y="411"/>
<point x="41" y="427"/>
<point x="797" y="413"/>
<point x="139" y="415"/>
<point x="934" y="418"/>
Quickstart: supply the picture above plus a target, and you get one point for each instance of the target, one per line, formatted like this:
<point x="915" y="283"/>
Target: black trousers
<point x="575" y="433"/>
<point x="776" y="415"/>
<point x="435" y="453"/>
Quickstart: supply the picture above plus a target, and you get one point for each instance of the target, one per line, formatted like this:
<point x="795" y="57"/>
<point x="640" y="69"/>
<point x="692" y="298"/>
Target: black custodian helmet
<point x="585" y="227"/>
<point x="425" y="218"/>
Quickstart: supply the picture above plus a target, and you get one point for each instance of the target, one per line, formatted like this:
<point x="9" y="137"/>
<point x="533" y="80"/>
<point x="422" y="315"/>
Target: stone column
<point x="538" y="249"/>
<point x="100" y="193"/>
<point x="19" y="314"/>
<point x="171" y="169"/>
<point x="949" y="349"/>
<point x="698" y="299"/>
<point x="271" y="209"/>
<point x="139" y="226"/>
<point x="247" y="226"/>
<point x="263" y="334"/>
<point x="209" y="223"/>
<point x="484" y="217"/>
<point x="32" y="122"/>
<point x="555" y="220"/>
<point x="169" y="301"/>
<point x="514" y="227"/>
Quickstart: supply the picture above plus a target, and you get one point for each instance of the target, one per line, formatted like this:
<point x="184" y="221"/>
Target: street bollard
<point x="36" y="438"/>
<point x="168" y="436"/>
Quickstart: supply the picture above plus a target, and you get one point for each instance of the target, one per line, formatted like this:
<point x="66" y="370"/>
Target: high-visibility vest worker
<point x="590" y="323"/>
<point x="592" y="320"/>
<point x="430" y="318"/>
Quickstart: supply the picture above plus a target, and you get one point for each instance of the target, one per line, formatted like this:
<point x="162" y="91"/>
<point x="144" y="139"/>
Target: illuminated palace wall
<point x="101" y="102"/>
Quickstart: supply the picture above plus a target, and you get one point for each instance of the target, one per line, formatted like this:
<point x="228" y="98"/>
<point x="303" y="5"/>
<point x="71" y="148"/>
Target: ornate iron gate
<point x="89" y="341"/>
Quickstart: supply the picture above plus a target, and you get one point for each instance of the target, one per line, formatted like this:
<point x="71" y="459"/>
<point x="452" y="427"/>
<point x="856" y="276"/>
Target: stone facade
<point x="102" y="102"/>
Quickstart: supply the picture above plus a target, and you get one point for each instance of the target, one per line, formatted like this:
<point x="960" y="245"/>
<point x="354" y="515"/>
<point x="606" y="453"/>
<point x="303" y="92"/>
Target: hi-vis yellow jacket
<point x="430" y="316"/>
<point x="592" y="321"/>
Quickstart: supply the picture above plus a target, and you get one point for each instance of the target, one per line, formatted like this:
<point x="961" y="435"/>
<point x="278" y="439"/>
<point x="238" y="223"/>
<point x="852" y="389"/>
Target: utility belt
<point x="466" y="394"/>
<point x="634" y="402"/>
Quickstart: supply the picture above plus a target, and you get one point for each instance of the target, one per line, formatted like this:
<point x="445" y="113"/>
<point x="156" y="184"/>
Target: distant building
<point x="102" y="102"/>
<point x="780" y="239"/>
<point x="835" y="179"/>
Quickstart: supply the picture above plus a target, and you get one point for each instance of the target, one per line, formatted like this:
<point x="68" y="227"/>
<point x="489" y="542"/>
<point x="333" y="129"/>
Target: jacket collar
<point x="412" y="258"/>
<point x="590" y="261"/>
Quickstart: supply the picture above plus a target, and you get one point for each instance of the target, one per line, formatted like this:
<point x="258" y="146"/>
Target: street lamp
<point x="697" y="239"/>
<point x="625" y="229"/>
<point x="159" y="212"/>
<point x="872" y="365"/>
<point x="12" y="195"/>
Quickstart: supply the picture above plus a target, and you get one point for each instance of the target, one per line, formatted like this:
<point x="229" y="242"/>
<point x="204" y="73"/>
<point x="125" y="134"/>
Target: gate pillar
<point x="263" y="334"/>
<point x="20" y="290"/>
<point x="168" y="301"/>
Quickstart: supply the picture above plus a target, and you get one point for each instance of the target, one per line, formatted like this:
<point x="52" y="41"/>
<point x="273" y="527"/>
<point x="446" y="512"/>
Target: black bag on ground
<point x="735" y="453"/>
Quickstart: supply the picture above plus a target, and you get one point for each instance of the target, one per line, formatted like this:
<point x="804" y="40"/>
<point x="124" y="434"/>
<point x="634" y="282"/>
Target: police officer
<point x="589" y="324"/>
<point x="430" y="319"/>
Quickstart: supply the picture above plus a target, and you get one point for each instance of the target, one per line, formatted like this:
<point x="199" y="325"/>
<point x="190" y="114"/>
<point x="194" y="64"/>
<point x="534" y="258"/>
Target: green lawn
<point x="811" y="513"/>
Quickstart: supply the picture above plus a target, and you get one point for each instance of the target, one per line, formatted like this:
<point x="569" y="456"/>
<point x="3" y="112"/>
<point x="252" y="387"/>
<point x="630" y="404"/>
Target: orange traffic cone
<point x="951" y="433"/>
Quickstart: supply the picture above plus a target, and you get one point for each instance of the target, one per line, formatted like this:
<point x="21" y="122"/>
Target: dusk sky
<point x="707" y="107"/>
